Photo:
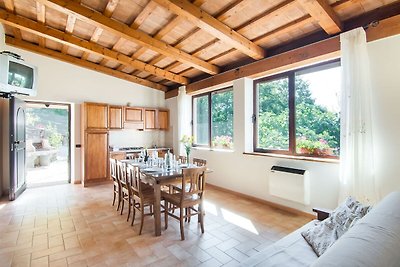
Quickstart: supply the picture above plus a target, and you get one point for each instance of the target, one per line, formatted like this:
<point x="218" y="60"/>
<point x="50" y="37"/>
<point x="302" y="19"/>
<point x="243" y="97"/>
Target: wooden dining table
<point x="157" y="177"/>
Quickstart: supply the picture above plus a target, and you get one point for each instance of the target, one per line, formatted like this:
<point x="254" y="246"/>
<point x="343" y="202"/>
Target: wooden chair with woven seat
<point x="182" y="159"/>
<point x="124" y="186"/>
<point x="193" y="182"/>
<point x="142" y="195"/>
<point x="116" y="184"/>
<point x="199" y="162"/>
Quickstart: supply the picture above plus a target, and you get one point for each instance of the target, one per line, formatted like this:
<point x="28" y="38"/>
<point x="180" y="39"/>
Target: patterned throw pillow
<point x="325" y="233"/>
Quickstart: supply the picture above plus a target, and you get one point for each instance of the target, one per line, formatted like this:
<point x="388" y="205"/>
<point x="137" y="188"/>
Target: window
<point x="213" y="119"/>
<point x="297" y="112"/>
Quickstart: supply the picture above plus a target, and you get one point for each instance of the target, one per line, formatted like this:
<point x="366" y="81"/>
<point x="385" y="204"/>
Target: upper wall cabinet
<point x="134" y="118"/>
<point x="133" y="114"/>
<point x="163" y="119"/>
<point x="115" y="117"/>
<point x="95" y="116"/>
<point x="150" y="119"/>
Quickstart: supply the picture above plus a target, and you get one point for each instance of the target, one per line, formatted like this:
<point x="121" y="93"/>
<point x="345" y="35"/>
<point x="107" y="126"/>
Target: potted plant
<point x="305" y="146"/>
<point x="309" y="147"/>
<point x="187" y="142"/>
<point x="223" y="141"/>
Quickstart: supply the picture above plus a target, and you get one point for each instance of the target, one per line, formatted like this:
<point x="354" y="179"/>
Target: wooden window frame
<point x="209" y="97"/>
<point x="291" y="75"/>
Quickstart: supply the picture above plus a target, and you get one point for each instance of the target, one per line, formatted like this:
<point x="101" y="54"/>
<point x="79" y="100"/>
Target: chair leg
<point x="119" y="200"/>
<point x="141" y="219"/>
<point x="123" y="203"/>
<point x="129" y="209"/>
<point x="181" y="224"/>
<point x="134" y="213"/>
<point x="201" y="214"/>
<point x="166" y="214"/>
<point x="114" y="196"/>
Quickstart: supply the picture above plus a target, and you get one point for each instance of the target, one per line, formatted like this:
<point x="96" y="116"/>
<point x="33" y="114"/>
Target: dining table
<point x="157" y="177"/>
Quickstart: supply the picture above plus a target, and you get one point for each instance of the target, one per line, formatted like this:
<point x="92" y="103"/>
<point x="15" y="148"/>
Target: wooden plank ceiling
<point x="166" y="43"/>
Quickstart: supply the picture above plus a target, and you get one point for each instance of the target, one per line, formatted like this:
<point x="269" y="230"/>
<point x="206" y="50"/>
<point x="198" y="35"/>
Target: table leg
<point x="157" y="209"/>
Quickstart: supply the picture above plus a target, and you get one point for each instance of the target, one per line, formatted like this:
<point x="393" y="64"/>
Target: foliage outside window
<point x="297" y="112"/>
<point x="213" y="119"/>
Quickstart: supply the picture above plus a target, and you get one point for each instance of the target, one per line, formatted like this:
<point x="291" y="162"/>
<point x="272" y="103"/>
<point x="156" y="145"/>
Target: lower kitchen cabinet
<point x="95" y="157"/>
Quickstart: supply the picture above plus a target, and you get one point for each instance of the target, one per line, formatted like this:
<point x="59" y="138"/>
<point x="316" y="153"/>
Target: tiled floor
<point x="68" y="225"/>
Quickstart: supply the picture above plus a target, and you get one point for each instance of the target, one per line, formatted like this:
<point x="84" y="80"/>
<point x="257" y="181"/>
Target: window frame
<point x="209" y="96"/>
<point x="291" y="75"/>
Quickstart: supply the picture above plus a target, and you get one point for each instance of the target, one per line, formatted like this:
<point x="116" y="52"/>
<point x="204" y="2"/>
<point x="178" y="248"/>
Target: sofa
<point x="373" y="241"/>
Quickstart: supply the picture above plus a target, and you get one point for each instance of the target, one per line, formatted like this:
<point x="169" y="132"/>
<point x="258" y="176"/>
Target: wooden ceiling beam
<point x="69" y="28"/>
<point x="324" y="14"/>
<point x="89" y="47"/>
<point x="322" y="50"/>
<point x="143" y="15"/>
<point x="108" y="11"/>
<point x="213" y="26"/>
<point x="139" y="37"/>
<point x="274" y="11"/>
<point x="175" y="21"/>
<point x="81" y="63"/>
<point x="41" y="17"/>
<point x="9" y="4"/>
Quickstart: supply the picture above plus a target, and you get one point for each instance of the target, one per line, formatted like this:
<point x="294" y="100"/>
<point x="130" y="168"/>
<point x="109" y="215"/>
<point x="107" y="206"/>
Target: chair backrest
<point x="134" y="176"/>
<point x="182" y="158"/>
<point x="193" y="182"/>
<point x="121" y="172"/>
<point x="199" y="162"/>
<point x="113" y="169"/>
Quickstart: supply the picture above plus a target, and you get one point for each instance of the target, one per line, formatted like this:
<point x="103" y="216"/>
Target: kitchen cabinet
<point x="95" y="158"/>
<point x="115" y="118"/>
<point x="133" y="114"/>
<point x="150" y="119"/>
<point x="163" y="119"/>
<point x="95" y="116"/>
<point x="118" y="155"/>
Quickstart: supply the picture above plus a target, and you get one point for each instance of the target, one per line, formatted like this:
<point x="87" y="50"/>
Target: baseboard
<point x="97" y="182"/>
<point x="263" y="201"/>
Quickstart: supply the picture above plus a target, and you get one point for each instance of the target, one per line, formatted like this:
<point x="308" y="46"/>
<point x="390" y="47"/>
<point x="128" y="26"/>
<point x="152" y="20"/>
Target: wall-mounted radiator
<point x="291" y="184"/>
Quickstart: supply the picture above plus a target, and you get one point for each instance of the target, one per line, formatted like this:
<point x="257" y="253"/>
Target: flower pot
<point x="303" y="150"/>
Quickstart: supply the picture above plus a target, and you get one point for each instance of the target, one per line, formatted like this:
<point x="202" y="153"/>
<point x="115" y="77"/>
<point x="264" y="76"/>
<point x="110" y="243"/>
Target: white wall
<point x="63" y="82"/>
<point x="249" y="174"/>
<point x="385" y="69"/>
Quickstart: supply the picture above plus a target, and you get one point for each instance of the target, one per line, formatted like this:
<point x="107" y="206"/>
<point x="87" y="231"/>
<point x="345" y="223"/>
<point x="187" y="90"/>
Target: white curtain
<point x="356" y="142"/>
<point x="184" y="118"/>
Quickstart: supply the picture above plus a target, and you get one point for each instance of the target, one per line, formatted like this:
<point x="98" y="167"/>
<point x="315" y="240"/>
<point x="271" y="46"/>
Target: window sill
<point x="313" y="159"/>
<point x="213" y="149"/>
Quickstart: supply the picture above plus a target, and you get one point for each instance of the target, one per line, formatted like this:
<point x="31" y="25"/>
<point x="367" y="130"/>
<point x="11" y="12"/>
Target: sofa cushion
<point x="325" y="233"/>
<point x="292" y="250"/>
<point x="373" y="241"/>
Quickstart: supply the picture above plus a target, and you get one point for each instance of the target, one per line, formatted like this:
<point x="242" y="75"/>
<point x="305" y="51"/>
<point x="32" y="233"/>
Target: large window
<point x="213" y="119"/>
<point x="297" y="112"/>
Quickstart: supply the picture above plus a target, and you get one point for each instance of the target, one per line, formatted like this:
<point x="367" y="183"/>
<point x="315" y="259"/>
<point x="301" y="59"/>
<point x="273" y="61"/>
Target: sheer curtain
<point x="184" y="117"/>
<point x="356" y="142"/>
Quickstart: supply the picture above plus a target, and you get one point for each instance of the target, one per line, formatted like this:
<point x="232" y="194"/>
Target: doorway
<point x="48" y="146"/>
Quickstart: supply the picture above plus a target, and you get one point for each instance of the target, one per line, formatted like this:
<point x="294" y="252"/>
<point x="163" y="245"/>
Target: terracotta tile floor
<point x="68" y="225"/>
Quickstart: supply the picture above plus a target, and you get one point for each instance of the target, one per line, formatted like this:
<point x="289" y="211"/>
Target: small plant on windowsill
<point x="223" y="141"/>
<point x="187" y="142"/>
<point x="309" y="147"/>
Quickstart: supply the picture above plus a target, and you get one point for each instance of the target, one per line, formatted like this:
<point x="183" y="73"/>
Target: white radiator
<point x="291" y="184"/>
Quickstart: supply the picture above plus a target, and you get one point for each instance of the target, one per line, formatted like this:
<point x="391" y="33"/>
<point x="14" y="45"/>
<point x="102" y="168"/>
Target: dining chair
<point x="116" y="185"/>
<point x="199" y="162"/>
<point x="123" y="182"/>
<point x="142" y="195"/>
<point x="193" y="182"/>
<point x="182" y="159"/>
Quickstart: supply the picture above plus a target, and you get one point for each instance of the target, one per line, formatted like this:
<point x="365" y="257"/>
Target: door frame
<point x="68" y="105"/>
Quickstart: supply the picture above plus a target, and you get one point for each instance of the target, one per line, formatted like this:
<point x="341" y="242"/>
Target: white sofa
<point x="372" y="241"/>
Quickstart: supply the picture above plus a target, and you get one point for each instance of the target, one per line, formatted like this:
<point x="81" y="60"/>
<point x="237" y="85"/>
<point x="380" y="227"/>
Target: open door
<point x="17" y="148"/>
